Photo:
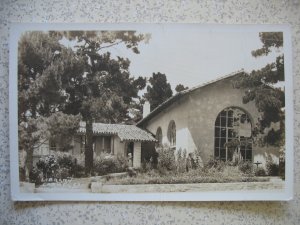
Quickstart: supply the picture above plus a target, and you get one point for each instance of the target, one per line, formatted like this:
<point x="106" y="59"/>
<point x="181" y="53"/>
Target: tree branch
<point x="108" y="46"/>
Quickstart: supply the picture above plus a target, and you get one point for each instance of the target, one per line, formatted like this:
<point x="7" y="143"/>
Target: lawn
<point x="227" y="175"/>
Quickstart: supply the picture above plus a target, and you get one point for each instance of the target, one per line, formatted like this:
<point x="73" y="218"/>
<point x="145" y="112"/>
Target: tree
<point x="104" y="91"/>
<point x="59" y="129"/>
<point x="158" y="91"/>
<point x="41" y="90"/>
<point x="180" y="88"/>
<point x="58" y="85"/>
<point x="261" y="88"/>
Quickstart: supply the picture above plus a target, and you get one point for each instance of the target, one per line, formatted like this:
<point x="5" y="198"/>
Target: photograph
<point x="151" y="112"/>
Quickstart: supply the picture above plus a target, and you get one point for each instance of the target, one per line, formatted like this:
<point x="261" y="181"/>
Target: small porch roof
<point x="124" y="132"/>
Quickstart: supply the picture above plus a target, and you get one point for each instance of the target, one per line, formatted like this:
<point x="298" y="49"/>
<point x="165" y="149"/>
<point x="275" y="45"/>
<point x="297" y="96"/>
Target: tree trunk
<point x="88" y="152"/>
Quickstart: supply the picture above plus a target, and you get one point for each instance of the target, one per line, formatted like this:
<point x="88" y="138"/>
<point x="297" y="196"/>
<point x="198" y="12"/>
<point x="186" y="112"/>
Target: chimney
<point x="146" y="109"/>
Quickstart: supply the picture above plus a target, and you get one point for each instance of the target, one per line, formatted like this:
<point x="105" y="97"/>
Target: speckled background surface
<point x="209" y="11"/>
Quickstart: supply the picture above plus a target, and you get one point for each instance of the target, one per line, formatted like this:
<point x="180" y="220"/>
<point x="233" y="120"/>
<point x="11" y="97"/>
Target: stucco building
<point x="113" y="139"/>
<point x="206" y="119"/>
<point x="116" y="139"/>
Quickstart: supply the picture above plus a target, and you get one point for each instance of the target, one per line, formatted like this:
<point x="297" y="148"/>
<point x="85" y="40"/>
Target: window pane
<point x="223" y="121"/>
<point x="217" y="153"/>
<point x="107" y="141"/>
<point x="243" y="154"/>
<point x="242" y="146"/>
<point x="249" y="155"/>
<point x="231" y="133"/>
<point x="230" y="122"/>
<point x="223" y="132"/>
<point x="217" y="131"/>
<point x="223" y="113"/>
<point x="223" y="153"/>
<point x="171" y="134"/>
<point x="249" y="144"/>
<point x="222" y="142"/>
<point x="243" y="118"/>
<point x="230" y="113"/>
<point x="217" y="142"/>
<point x="218" y="123"/>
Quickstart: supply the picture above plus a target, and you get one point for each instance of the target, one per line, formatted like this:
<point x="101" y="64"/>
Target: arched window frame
<point x="172" y="134"/>
<point x="159" y="137"/>
<point x="227" y="126"/>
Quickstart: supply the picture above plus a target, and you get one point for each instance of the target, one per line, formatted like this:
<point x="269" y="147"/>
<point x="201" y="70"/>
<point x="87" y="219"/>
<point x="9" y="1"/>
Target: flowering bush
<point x="59" y="167"/>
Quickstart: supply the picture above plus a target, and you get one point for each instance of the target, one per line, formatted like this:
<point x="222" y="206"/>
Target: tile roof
<point x="177" y="96"/>
<point x="124" y="132"/>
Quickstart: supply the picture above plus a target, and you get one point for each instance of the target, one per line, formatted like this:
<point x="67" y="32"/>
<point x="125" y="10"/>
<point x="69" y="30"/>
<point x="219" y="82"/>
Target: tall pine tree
<point x="159" y="90"/>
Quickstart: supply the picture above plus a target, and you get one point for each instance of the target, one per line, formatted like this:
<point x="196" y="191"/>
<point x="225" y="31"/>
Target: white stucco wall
<point x="119" y="147"/>
<point x="137" y="155"/>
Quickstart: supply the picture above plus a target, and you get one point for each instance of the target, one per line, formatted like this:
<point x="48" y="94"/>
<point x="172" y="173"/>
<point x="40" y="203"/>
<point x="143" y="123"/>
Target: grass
<point x="228" y="175"/>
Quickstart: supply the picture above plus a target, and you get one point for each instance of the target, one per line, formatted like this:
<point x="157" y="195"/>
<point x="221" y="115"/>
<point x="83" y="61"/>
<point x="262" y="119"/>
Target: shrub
<point x="246" y="167"/>
<point x="77" y="171"/>
<point x="272" y="168"/>
<point x="74" y="165"/>
<point x="65" y="161"/>
<point x="180" y="161"/>
<point x="166" y="158"/>
<point x="236" y="158"/>
<point x="35" y="176"/>
<point x="67" y="166"/>
<point x="62" y="173"/>
<point x="260" y="172"/>
<point x="146" y="166"/>
<point x="214" y="164"/>
<point x="105" y="164"/>
<point x="48" y="166"/>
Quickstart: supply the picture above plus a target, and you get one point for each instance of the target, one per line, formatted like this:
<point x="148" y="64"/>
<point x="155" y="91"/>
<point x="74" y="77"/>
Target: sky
<point x="192" y="55"/>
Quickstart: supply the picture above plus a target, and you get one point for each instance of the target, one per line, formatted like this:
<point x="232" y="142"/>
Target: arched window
<point x="172" y="134"/>
<point x="233" y="135"/>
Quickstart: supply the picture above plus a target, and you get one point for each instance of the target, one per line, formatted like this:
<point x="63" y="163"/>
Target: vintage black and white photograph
<point x="151" y="112"/>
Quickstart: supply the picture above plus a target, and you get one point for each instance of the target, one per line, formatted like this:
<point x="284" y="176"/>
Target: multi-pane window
<point x="233" y="135"/>
<point x="159" y="137"/>
<point x="172" y="134"/>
